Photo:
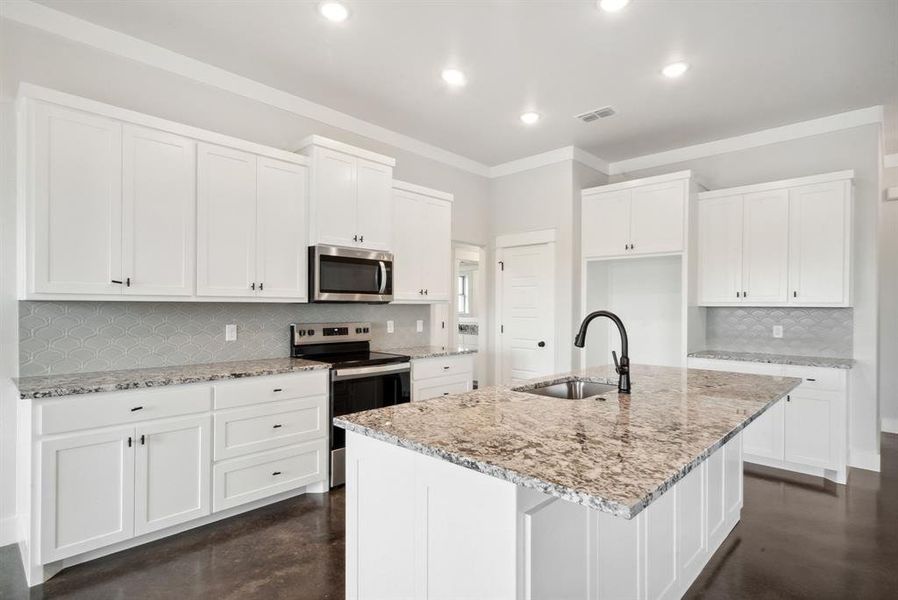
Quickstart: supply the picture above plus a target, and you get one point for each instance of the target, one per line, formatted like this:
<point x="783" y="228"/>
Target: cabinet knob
<point x="143" y="440"/>
<point x="128" y="282"/>
<point x="541" y="344"/>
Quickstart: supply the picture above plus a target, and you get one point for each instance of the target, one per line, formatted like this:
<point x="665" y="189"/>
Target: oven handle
<point x="359" y="372"/>
<point x="383" y="277"/>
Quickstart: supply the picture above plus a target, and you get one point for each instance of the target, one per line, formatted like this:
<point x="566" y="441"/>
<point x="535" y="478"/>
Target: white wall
<point x="858" y="149"/>
<point x="32" y="56"/>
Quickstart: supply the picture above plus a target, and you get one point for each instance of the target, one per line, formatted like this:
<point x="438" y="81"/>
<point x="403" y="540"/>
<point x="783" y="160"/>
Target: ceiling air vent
<point x="595" y="115"/>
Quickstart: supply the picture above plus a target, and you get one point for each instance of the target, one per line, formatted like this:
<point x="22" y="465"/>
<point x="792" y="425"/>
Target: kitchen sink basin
<point x="572" y="389"/>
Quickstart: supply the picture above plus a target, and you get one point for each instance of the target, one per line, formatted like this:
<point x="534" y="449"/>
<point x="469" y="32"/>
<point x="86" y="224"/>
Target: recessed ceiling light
<point x="333" y="11"/>
<point x="612" y="5"/>
<point x="529" y="118"/>
<point x="675" y="69"/>
<point x="454" y="77"/>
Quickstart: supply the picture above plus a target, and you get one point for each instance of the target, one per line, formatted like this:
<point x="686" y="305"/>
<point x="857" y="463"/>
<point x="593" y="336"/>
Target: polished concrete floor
<point x="799" y="537"/>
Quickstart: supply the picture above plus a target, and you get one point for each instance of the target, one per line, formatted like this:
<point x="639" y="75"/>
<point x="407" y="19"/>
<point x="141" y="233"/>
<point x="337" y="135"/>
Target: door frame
<point x="481" y="369"/>
<point x="512" y="240"/>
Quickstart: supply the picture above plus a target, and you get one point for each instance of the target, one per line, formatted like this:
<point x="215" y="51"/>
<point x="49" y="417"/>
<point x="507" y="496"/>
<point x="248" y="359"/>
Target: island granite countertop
<point x="777" y="359"/>
<point x="615" y="453"/>
<point x="416" y="352"/>
<point x="52" y="386"/>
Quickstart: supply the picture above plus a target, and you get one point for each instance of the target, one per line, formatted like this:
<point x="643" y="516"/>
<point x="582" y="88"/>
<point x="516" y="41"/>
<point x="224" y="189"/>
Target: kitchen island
<point x="501" y="493"/>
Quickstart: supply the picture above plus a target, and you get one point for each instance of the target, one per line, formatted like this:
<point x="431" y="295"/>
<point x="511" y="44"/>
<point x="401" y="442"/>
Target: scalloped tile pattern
<point x="806" y="331"/>
<point x="75" y="337"/>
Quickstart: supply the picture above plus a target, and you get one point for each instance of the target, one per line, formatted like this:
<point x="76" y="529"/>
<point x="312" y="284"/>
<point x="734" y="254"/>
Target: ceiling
<point x="754" y="64"/>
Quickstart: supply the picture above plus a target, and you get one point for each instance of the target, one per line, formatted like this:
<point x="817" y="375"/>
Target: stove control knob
<point x="311" y="332"/>
<point x="358" y="330"/>
<point x="301" y="332"/>
<point x="366" y="330"/>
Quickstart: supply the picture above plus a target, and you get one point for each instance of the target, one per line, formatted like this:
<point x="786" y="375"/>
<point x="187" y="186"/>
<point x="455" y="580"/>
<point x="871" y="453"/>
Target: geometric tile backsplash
<point x="72" y="337"/>
<point x="806" y="331"/>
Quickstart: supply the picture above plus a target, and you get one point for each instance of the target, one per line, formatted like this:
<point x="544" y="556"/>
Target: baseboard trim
<point x="889" y="425"/>
<point x="868" y="461"/>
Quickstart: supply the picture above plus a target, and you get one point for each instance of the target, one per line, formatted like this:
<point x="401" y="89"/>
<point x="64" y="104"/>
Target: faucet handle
<point x="616" y="364"/>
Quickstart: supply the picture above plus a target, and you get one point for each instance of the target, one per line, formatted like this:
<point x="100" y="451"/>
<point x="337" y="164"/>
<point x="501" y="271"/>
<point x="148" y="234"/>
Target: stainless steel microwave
<point x="338" y="274"/>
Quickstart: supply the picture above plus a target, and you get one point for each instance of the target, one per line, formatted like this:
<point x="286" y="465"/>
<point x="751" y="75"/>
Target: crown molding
<point x="794" y="131"/>
<point x="549" y="158"/>
<point x="78" y="30"/>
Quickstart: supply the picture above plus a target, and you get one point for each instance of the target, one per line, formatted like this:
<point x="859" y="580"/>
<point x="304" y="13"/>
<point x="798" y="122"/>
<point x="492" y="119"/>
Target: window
<point x="464" y="294"/>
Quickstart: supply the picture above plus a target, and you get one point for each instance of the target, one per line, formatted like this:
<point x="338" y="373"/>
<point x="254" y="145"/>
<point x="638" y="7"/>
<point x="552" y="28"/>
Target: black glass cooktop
<point x="348" y="354"/>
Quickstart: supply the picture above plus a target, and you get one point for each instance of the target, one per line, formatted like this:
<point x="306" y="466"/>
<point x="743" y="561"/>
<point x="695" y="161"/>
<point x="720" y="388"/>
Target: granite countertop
<point x="51" y="386"/>
<point x="429" y="351"/>
<point x="613" y="453"/>
<point x="777" y="359"/>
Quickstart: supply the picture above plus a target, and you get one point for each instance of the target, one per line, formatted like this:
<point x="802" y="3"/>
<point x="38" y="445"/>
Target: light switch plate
<point x="777" y="331"/>
<point x="389" y="326"/>
<point x="230" y="333"/>
<point x="419" y="326"/>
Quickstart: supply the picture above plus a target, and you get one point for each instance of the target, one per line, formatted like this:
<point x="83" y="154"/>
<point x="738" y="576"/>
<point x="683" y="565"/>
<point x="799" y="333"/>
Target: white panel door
<point x="765" y="247"/>
<point x="720" y="250"/>
<point x="408" y="237"/>
<point x="657" y="214"/>
<point x="87" y="500"/>
<point x="158" y="212"/>
<point x="436" y="249"/>
<point x="808" y="426"/>
<point x="605" y="224"/>
<point x="281" y="236"/>
<point x="374" y="183"/>
<point x="77" y="188"/>
<point x="764" y="436"/>
<point x="334" y="207"/>
<point x="226" y="222"/>
<point x="527" y="312"/>
<point x="172" y="473"/>
<point x="819" y="244"/>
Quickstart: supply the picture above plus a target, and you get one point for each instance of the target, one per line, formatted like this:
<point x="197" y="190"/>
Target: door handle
<point x="382" y="269"/>
<point x="541" y="344"/>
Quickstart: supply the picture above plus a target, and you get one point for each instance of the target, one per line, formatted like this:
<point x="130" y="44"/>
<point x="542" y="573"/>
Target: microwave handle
<point x="383" y="277"/>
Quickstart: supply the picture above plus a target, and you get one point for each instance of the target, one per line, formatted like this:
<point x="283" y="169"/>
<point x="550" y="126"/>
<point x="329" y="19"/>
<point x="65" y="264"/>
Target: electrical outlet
<point x="389" y="326"/>
<point x="419" y="326"/>
<point x="777" y="331"/>
<point x="230" y="333"/>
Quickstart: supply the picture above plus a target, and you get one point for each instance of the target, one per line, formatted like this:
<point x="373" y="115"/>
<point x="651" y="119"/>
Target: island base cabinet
<point x="419" y="527"/>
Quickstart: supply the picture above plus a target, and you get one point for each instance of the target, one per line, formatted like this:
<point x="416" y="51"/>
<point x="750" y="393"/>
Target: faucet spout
<point x="622" y="367"/>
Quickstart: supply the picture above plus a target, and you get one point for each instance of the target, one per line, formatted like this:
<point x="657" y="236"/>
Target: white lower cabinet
<point x="441" y="376"/>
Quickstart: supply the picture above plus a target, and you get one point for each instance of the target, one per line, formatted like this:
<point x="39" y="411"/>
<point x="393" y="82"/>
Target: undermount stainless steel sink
<point x="572" y="389"/>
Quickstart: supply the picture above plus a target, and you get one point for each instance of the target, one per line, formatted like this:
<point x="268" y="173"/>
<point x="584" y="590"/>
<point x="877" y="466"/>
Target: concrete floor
<point x="799" y="537"/>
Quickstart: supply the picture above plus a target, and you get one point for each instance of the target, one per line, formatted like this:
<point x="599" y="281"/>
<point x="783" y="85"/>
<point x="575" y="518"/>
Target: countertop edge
<point x="821" y="362"/>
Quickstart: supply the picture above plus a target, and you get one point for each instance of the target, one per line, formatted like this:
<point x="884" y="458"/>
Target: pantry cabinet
<point x="777" y="244"/>
<point x="638" y="217"/>
<point x="350" y="197"/>
<point x="422" y="244"/>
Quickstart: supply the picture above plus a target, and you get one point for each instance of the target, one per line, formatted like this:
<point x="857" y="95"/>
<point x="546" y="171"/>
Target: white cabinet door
<point x="808" y="419"/>
<point x="334" y="207"/>
<point x="158" y="212"/>
<point x="407" y="260"/>
<point x="720" y="250"/>
<point x="226" y="222"/>
<point x="87" y="498"/>
<point x="77" y="202"/>
<point x="765" y="247"/>
<point x="764" y="436"/>
<point x="819" y="243"/>
<point x="606" y="224"/>
<point x="172" y="473"/>
<point x="282" y="251"/>
<point x="436" y="249"/>
<point x="374" y="183"/>
<point x="656" y="217"/>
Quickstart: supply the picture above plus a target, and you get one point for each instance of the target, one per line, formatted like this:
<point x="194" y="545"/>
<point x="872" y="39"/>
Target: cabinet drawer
<point x="118" y="408"/>
<point x="264" y="427"/>
<point x="425" y="368"/>
<point x="255" y="390"/>
<point x="441" y="386"/>
<point x="241" y="480"/>
<point x="818" y="378"/>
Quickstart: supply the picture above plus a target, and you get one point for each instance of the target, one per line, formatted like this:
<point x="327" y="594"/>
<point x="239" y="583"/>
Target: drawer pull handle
<point x="445" y="368"/>
<point x="136" y="408"/>
<point x="276" y="473"/>
<point x="811" y="379"/>
<point x="789" y="398"/>
<point x="445" y="393"/>
<point x="276" y="426"/>
<point x="278" y="390"/>
<point x="129" y="441"/>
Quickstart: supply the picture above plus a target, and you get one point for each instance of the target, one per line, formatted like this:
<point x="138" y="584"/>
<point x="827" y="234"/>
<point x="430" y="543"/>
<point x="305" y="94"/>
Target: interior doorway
<point x="469" y="318"/>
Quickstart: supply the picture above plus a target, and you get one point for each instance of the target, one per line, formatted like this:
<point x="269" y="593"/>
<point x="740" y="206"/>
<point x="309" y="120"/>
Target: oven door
<point x="363" y="388"/>
<point x="338" y="274"/>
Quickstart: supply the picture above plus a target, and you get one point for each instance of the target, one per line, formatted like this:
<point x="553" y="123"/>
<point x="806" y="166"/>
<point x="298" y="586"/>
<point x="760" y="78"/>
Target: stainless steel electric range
<point x="360" y="379"/>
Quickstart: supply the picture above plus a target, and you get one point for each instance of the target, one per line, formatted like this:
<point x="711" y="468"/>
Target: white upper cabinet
<point x="820" y="222"/>
<point x="74" y="204"/>
<point x="350" y="195"/>
<point x="226" y="222"/>
<point x="777" y="244"/>
<point x="422" y="244"/>
<point x="643" y="216"/>
<point x="158" y="212"/>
